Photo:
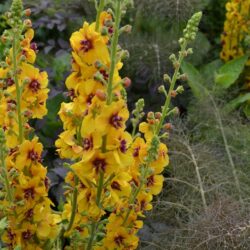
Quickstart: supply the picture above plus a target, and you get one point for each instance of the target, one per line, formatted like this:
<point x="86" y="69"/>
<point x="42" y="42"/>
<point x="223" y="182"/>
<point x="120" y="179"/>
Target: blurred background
<point x="208" y="146"/>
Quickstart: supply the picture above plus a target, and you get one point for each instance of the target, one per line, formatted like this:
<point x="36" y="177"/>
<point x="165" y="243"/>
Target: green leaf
<point x="246" y="110"/>
<point x="195" y="80"/>
<point x="3" y="224"/>
<point x="230" y="72"/>
<point x="237" y="102"/>
<point x="53" y="106"/>
<point x="208" y="71"/>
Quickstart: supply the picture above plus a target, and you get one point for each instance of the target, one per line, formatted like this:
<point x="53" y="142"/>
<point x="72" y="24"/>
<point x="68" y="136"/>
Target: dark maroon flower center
<point x="34" y="156"/>
<point x="136" y="152"/>
<point x="29" y="214"/>
<point x="29" y="193"/>
<point x="150" y="181"/>
<point x="123" y="146"/>
<point x="11" y="235"/>
<point x="116" y="121"/>
<point x="99" y="164"/>
<point x="34" y="47"/>
<point x="10" y="82"/>
<point x="89" y="98"/>
<point x="116" y="185"/>
<point x="87" y="143"/>
<point x="46" y="182"/>
<point x="119" y="240"/>
<point x="11" y="104"/>
<point x="34" y="86"/>
<point x="71" y="93"/>
<point x="27" y="235"/>
<point x="104" y="74"/>
<point x="143" y="204"/>
<point x="86" y="45"/>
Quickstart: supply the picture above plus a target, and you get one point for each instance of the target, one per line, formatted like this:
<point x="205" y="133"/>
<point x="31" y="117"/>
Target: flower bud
<point x="27" y="12"/>
<point x="180" y="89"/>
<point x="150" y="115"/>
<point x="158" y="115"/>
<point x="162" y="89"/>
<point x="174" y="93"/>
<point x="101" y="95"/>
<point x="126" y="82"/>
<point x="27" y="23"/>
<point x="168" y="126"/>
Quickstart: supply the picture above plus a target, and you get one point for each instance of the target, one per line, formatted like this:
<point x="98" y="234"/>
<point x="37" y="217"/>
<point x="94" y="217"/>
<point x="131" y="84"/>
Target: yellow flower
<point x="148" y="130"/>
<point x="30" y="189"/>
<point x="112" y="116"/>
<point x="119" y="188"/>
<point x="28" y="48"/>
<point x="155" y="183"/>
<point x="120" y="239"/>
<point x="89" y="45"/>
<point x="92" y="167"/>
<point x="29" y="153"/>
<point x="162" y="160"/>
<point x="119" y="142"/>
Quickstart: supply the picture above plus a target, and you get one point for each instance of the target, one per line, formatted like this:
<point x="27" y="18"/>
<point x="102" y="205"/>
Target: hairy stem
<point x="100" y="9"/>
<point x="114" y="44"/>
<point x="5" y="176"/>
<point x="18" y="89"/>
<point x="74" y="205"/>
<point x="172" y="85"/>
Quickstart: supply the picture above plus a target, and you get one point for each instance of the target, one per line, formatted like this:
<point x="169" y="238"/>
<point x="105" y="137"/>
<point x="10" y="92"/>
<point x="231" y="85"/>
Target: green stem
<point x="100" y="9"/>
<point x="172" y="86"/>
<point x="91" y="239"/>
<point x="74" y="205"/>
<point x="114" y="44"/>
<point x="99" y="189"/>
<point x="164" y="115"/>
<point x="137" y="191"/>
<point x="5" y="175"/>
<point x="18" y="89"/>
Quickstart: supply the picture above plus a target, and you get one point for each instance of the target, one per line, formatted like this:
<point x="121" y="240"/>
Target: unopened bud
<point x="98" y="64"/>
<point x="3" y="39"/>
<point x="168" y="126"/>
<point x="183" y="77"/>
<point x="27" y="12"/>
<point x="150" y="115"/>
<point x="176" y="111"/>
<point x="158" y="115"/>
<point x="126" y="28"/>
<point x="174" y="94"/>
<point x="28" y="23"/>
<point x="104" y="31"/>
<point x="101" y="94"/>
<point x="162" y="89"/>
<point x="167" y="78"/>
<point x="180" y="89"/>
<point x="27" y="113"/>
<point x="176" y="65"/>
<point x="126" y="82"/>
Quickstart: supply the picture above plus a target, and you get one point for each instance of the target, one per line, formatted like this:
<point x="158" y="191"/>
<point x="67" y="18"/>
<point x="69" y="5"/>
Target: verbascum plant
<point x="115" y="174"/>
<point x="25" y="205"/>
<point x="236" y="43"/>
<point x="236" y="29"/>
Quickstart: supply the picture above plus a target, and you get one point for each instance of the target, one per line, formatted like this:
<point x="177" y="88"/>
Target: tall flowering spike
<point x="115" y="174"/>
<point x="23" y="95"/>
<point x="236" y="29"/>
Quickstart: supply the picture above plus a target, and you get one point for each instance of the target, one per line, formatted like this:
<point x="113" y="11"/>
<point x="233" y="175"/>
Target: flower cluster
<point x="23" y="96"/>
<point x="236" y="29"/>
<point x="114" y="174"/>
